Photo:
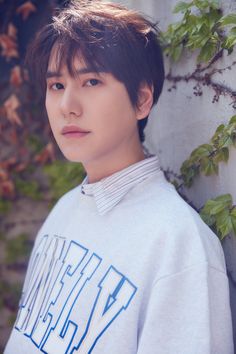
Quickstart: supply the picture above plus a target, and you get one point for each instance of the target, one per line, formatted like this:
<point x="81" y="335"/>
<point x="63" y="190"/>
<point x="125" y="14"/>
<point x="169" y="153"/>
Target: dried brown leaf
<point x="3" y="174"/>
<point x="3" y="112"/>
<point x="16" y="77"/>
<point x="13" y="137"/>
<point x="9" y="162"/>
<point x="23" y="152"/>
<point x="9" y="46"/>
<point x="11" y="105"/>
<point x="26" y="9"/>
<point x="21" y="167"/>
<point x="12" y="31"/>
<point x="47" y="154"/>
<point x="7" y="189"/>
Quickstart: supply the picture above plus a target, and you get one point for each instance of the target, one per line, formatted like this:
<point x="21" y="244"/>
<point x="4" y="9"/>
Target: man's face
<point x="96" y="103"/>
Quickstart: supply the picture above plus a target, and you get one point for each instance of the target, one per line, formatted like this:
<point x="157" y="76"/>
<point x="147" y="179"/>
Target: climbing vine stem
<point x="204" y="29"/>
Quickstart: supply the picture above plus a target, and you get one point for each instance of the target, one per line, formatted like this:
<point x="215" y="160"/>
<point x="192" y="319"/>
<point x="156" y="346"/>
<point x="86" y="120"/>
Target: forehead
<point x="58" y="59"/>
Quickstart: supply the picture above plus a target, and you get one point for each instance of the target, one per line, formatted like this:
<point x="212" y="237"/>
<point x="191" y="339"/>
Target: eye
<point x="56" y="86"/>
<point x="92" y="82"/>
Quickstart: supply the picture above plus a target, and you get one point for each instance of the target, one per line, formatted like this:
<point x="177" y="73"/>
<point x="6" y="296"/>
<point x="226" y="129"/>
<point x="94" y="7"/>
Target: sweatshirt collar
<point x="109" y="191"/>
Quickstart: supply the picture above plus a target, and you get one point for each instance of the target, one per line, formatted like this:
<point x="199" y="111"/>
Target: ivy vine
<point x="219" y="213"/>
<point x="206" y="157"/>
<point x="204" y="28"/>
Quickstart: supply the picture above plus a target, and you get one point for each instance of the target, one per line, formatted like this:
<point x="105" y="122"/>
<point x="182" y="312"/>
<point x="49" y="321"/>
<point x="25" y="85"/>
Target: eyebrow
<point x="81" y="71"/>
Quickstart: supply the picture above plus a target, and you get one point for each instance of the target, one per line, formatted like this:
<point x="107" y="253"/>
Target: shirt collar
<point x="109" y="191"/>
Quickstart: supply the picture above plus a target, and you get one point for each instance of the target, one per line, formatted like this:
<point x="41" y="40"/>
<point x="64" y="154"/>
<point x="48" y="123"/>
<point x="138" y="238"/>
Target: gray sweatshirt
<point x="124" y="266"/>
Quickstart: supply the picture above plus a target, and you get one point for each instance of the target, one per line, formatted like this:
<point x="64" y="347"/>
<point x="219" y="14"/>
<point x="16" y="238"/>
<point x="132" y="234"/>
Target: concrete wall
<point x="181" y="121"/>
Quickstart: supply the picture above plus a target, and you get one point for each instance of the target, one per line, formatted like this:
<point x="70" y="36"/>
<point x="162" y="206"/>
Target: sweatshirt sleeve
<point x="188" y="313"/>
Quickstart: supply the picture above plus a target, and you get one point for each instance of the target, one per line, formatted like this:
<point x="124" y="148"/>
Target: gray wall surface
<point x="181" y="121"/>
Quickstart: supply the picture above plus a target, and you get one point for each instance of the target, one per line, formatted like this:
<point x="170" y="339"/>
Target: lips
<point x="73" y="132"/>
<point x="73" y="129"/>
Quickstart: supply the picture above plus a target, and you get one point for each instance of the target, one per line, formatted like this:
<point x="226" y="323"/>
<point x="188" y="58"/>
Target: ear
<point x="145" y="101"/>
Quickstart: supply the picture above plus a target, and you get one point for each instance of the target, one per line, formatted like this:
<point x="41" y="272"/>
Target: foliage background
<point x="33" y="175"/>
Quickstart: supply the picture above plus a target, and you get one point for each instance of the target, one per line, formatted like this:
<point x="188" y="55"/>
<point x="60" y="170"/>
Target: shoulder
<point x="158" y="200"/>
<point x="64" y="207"/>
<point x="175" y="226"/>
<point x="156" y="196"/>
<point x="70" y="197"/>
<point x="66" y="202"/>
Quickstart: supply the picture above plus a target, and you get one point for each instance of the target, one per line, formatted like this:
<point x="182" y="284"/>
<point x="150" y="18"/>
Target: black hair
<point x="109" y="37"/>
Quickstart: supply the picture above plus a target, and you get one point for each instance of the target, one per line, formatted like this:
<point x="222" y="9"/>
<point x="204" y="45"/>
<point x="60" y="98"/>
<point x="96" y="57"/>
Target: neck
<point x="112" y="163"/>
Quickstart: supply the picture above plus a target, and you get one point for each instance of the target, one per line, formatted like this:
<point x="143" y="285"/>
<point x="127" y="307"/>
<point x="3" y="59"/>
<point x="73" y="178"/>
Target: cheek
<point x="47" y="100"/>
<point x="116" y="106"/>
<point x="48" y="108"/>
<point x="50" y="101"/>
<point x="51" y="110"/>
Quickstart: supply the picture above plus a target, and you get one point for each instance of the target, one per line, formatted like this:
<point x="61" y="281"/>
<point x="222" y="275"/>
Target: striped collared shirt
<point x="109" y="191"/>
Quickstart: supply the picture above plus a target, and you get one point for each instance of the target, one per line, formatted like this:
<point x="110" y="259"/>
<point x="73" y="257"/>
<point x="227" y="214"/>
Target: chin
<point x="72" y="157"/>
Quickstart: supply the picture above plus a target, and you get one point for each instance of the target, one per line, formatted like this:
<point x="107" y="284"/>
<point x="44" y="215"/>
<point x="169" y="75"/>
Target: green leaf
<point x="2" y="236"/>
<point x="204" y="4"/>
<point x="213" y="18"/>
<point x="217" y="205"/>
<point x="28" y="188"/>
<point x="199" y="38"/>
<point x="215" y="4"/>
<point x="219" y="215"/>
<point x="220" y="128"/>
<point x="201" y="4"/>
<point x="207" y="218"/>
<point x="223" y="223"/>
<point x="232" y="32"/>
<point x="225" y="198"/>
<point x="208" y="166"/>
<point x="202" y="151"/>
<point x="219" y="131"/>
<point x="10" y="294"/>
<point x="206" y="157"/>
<point x="225" y="154"/>
<point x="233" y="219"/>
<point x="189" y="173"/>
<point x="225" y="141"/>
<point x="212" y="207"/>
<point x="181" y="7"/>
<point x="17" y="248"/>
<point x="176" y="52"/>
<point x="202" y="29"/>
<point x="5" y="206"/>
<point x="222" y="155"/>
<point x="233" y="120"/>
<point x="207" y="52"/>
<point x="229" y="42"/>
<point x="228" y="20"/>
<point x="63" y="176"/>
<point x="34" y="143"/>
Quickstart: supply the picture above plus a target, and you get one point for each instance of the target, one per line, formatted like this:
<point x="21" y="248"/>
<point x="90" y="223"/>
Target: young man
<point x="122" y="264"/>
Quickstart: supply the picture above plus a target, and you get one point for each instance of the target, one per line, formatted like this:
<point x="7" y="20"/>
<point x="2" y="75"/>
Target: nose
<point x="70" y="104"/>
